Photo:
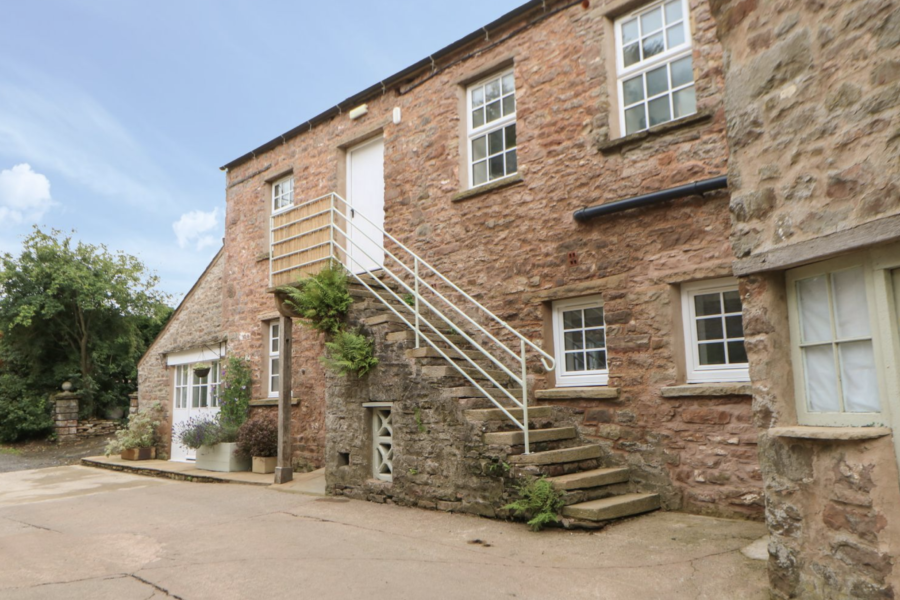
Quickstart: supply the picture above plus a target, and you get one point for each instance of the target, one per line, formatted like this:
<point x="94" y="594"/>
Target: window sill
<point x="834" y="434"/>
<point x="609" y="146"/>
<point x="693" y="390"/>
<point x="272" y="402"/>
<point x="488" y="187"/>
<point x="578" y="393"/>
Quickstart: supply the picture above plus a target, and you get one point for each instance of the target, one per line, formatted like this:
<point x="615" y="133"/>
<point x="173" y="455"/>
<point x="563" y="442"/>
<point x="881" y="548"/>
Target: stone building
<point x="564" y="167"/>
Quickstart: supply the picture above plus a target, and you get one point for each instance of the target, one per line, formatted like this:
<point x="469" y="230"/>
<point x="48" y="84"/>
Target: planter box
<point x="221" y="458"/>
<point x="264" y="464"/>
<point x="139" y="454"/>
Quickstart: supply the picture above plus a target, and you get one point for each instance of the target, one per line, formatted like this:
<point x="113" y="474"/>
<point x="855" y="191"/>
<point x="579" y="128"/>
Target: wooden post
<point x="284" y="472"/>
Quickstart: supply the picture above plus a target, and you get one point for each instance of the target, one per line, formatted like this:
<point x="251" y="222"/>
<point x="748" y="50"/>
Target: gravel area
<point x="40" y="454"/>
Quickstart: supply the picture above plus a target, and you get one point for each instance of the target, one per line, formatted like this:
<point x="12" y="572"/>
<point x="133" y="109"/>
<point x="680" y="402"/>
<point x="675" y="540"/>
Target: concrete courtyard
<point x="76" y="532"/>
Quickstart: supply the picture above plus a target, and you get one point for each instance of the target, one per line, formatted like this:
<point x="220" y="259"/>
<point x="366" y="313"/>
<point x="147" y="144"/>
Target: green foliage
<point x="10" y="451"/>
<point x="350" y="352"/>
<point x="409" y="299"/>
<point x="322" y="300"/>
<point x="234" y="393"/>
<point x="70" y="310"/>
<point x="259" y="436"/>
<point x="142" y="431"/>
<point x="539" y="502"/>
<point x="419" y="424"/>
<point x="498" y="469"/>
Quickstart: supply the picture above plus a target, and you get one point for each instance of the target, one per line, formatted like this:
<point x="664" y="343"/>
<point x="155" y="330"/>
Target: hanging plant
<point x="202" y="369"/>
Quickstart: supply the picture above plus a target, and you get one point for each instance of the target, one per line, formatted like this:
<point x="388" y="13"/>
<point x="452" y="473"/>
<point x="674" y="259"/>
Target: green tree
<point x="70" y="310"/>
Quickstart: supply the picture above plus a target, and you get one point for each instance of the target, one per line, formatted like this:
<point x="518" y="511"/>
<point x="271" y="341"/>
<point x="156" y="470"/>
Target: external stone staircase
<point x="593" y="493"/>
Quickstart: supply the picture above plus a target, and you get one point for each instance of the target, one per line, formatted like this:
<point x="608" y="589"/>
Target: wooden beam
<point x="284" y="472"/>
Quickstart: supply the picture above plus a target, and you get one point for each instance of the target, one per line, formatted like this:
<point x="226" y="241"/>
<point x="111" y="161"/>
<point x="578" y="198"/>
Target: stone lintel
<point x="879" y="231"/>
<point x="835" y="434"/>
<point x="582" y="288"/>
<point x="691" y="390"/>
<point x="578" y="393"/>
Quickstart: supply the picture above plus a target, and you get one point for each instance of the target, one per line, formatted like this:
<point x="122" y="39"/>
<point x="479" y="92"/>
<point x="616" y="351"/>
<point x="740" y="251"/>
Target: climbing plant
<point x="322" y="300"/>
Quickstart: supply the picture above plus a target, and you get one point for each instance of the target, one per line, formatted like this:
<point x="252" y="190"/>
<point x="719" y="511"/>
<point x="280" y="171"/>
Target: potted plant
<point x="138" y="441"/>
<point x="214" y="442"/>
<point x="202" y="369"/>
<point x="258" y="439"/>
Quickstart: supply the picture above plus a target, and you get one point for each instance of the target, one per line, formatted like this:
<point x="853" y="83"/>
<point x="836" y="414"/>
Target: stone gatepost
<point x="65" y="416"/>
<point x="132" y="404"/>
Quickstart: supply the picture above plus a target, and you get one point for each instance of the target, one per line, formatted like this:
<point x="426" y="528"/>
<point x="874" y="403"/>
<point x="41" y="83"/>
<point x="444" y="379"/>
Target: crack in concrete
<point x="32" y="525"/>
<point x="155" y="587"/>
<point x="100" y="577"/>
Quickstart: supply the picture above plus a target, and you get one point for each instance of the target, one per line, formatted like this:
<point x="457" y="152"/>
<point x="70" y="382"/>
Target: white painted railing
<point x="311" y="235"/>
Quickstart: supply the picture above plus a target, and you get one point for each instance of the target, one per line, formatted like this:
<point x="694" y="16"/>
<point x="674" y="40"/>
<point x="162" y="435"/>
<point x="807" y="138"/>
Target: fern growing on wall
<point x="539" y="502"/>
<point x="321" y="300"/>
<point x="350" y="352"/>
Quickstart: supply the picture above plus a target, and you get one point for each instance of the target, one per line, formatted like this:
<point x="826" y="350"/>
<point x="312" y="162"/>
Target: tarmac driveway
<point x="76" y="532"/>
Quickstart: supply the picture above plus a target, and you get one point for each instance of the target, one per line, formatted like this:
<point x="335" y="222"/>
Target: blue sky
<point x="115" y="115"/>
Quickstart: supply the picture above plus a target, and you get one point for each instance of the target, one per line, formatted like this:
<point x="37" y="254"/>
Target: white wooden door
<point x="194" y="397"/>
<point x="365" y="193"/>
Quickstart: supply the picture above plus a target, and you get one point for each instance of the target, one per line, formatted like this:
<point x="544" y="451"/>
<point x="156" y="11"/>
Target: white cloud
<point x="24" y="195"/>
<point x="197" y="227"/>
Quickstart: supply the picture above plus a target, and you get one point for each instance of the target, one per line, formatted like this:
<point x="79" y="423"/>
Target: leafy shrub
<point x="234" y="393"/>
<point x="204" y="430"/>
<point x="350" y="352"/>
<point x="140" y="433"/>
<point x="322" y="300"/>
<point x="539" y="502"/>
<point x="23" y="412"/>
<point x="259" y="436"/>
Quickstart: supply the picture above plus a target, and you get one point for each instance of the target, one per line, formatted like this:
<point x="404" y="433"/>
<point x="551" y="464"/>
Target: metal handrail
<point x="415" y="289"/>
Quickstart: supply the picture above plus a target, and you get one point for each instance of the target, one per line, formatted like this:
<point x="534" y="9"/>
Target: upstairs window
<point x="282" y="194"/>
<point x="491" y="126"/>
<point x="714" y="332"/>
<point x="579" y="333"/>
<point x="654" y="66"/>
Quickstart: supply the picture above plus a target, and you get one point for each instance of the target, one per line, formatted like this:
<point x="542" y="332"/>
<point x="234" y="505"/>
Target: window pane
<point x="815" y="320"/>
<point x="495" y="142"/>
<point x="571" y="319"/>
<point x="675" y="35"/>
<point x="629" y="32"/>
<point x="596" y="361"/>
<point x="821" y="383"/>
<point x="707" y="304"/>
<point x="492" y="90"/>
<point x="593" y="317"/>
<point x="712" y="354"/>
<point x="685" y="102"/>
<point x="512" y="162"/>
<point x="274" y="383"/>
<point x="493" y="111"/>
<point x="594" y="338"/>
<point x="273" y="365"/>
<point x="479" y="173"/>
<point x="509" y="83"/>
<point x="653" y="45"/>
<point x="850" y="305"/>
<point x="737" y="353"/>
<point x="733" y="327"/>
<point x="673" y="11"/>
<point x="657" y="81"/>
<point x="196" y="397"/>
<point x="651" y="21"/>
<point x="496" y="167"/>
<point x="732" y="301"/>
<point x="573" y="340"/>
<point x="477" y="96"/>
<point x="478" y="117"/>
<point x="635" y="119"/>
<point x="510" y="133"/>
<point x="203" y="396"/>
<point x="509" y="105"/>
<point x="709" y="329"/>
<point x="479" y="148"/>
<point x="860" y="381"/>
<point x="631" y="54"/>
<point x="633" y="90"/>
<point x="575" y="361"/>
<point x="659" y="111"/>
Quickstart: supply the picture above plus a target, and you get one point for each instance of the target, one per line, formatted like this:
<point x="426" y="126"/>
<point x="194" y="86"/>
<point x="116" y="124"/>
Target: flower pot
<point x="264" y="464"/>
<point x="139" y="454"/>
<point x="202" y="372"/>
<point x="222" y="458"/>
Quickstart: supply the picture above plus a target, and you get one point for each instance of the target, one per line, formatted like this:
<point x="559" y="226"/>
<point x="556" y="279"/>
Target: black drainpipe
<point x="692" y="189"/>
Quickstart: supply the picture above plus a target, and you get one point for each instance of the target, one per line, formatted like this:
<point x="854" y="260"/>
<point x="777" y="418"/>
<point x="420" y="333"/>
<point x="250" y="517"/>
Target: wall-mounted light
<point x="396" y="115"/>
<point x="359" y="111"/>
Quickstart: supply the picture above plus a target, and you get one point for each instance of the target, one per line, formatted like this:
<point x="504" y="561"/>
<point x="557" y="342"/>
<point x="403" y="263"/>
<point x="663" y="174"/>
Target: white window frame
<point x="667" y="56"/>
<point x="880" y="299"/>
<point x="697" y="373"/>
<point x="597" y="377"/>
<point x="484" y="130"/>
<point x="186" y="382"/>
<point x="183" y="374"/>
<point x="273" y="354"/>
<point x="280" y="185"/>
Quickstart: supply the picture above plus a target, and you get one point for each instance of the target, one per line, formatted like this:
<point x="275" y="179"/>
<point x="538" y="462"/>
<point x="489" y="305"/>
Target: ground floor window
<point x="274" y="352"/>
<point x="714" y="331"/>
<point x="579" y="336"/>
<point x="194" y="390"/>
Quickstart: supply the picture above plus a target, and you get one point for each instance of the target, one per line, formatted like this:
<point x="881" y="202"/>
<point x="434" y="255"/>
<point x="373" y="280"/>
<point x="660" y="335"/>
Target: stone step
<point x="564" y="455"/>
<point x="589" y="479"/>
<point x="470" y="391"/>
<point x="383" y="318"/>
<point x="447" y="371"/>
<point x="495" y="414"/>
<point x="410" y="336"/>
<point x="615" y="507"/>
<point x="429" y="352"/>
<point x="517" y="438"/>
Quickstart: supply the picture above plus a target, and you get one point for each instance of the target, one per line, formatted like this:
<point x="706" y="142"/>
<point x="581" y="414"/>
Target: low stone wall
<point x="97" y="427"/>
<point x="69" y="428"/>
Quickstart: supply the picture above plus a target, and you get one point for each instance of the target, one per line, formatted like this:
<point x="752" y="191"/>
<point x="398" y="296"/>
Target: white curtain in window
<point x="815" y="317"/>
<point x="851" y="308"/>
<point x="860" y="380"/>
<point x="821" y="382"/>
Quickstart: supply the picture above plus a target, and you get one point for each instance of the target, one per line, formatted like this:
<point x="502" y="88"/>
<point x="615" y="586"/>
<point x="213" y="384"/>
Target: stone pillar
<point x="284" y="472"/>
<point x="65" y="416"/>
<point x="132" y="404"/>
